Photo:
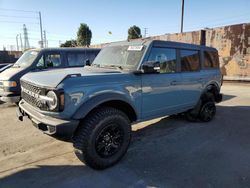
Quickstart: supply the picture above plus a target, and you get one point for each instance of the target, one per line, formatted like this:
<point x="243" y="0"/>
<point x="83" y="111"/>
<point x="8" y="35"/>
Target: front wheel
<point x="102" y="138"/>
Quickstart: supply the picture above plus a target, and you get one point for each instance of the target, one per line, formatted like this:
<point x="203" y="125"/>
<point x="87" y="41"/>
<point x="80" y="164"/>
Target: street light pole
<point x="182" y="15"/>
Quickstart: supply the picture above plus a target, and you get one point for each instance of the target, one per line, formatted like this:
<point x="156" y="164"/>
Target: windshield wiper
<point x="116" y="66"/>
<point x="95" y="65"/>
<point x="16" y="66"/>
<point x="108" y="66"/>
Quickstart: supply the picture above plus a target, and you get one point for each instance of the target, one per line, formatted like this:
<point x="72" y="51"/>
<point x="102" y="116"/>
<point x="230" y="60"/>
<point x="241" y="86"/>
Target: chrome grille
<point x="31" y="99"/>
<point x="30" y="87"/>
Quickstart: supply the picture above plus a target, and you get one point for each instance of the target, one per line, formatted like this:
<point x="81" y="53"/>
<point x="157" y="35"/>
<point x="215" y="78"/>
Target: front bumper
<point x="11" y="97"/>
<point x="48" y="124"/>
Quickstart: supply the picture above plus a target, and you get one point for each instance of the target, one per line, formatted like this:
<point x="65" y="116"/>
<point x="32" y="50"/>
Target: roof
<point x="161" y="43"/>
<point x="67" y="49"/>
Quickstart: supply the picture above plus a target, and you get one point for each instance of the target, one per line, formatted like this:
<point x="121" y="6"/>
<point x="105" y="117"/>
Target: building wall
<point x="233" y="44"/>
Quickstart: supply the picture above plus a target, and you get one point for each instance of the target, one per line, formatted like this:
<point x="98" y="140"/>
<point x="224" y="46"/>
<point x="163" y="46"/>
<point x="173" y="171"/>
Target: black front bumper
<point x="47" y="124"/>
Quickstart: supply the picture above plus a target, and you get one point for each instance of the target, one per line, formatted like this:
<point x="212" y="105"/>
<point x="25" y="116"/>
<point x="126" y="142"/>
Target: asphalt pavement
<point x="165" y="152"/>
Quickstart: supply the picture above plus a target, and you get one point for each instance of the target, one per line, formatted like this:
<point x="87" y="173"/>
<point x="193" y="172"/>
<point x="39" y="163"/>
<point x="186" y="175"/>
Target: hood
<point x="12" y="72"/>
<point x="52" y="78"/>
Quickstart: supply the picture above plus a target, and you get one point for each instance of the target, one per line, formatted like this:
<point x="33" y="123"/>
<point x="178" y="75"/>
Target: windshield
<point x="123" y="57"/>
<point x="26" y="59"/>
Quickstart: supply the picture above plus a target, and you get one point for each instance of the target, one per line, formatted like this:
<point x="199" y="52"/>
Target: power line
<point x="5" y="21"/>
<point x="7" y="16"/>
<point x="17" y="10"/>
<point x="218" y="21"/>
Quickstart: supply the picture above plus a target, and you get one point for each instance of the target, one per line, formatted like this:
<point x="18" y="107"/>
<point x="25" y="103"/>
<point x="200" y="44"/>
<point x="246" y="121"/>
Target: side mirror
<point x="49" y="63"/>
<point x="87" y="62"/>
<point x="151" y="67"/>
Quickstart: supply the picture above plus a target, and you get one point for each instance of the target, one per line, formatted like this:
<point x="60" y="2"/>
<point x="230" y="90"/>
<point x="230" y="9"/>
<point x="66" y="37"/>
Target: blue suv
<point x="128" y="82"/>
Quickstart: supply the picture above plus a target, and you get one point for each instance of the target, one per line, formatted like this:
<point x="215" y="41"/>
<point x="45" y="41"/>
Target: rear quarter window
<point x="190" y="60"/>
<point x="79" y="59"/>
<point x="211" y="59"/>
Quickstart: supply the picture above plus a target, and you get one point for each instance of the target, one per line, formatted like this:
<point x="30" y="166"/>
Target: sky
<point x="61" y="18"/>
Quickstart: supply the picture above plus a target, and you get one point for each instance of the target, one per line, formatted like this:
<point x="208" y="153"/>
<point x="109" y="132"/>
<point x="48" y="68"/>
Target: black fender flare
<point x="215" y="90"/>
<point x="95" y="101"/>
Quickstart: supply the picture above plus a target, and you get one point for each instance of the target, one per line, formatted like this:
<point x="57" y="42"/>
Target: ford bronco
<point x="128" y="82"/>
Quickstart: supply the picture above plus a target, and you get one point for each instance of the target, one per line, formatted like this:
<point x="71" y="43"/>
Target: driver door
<point x="160" y="91"/>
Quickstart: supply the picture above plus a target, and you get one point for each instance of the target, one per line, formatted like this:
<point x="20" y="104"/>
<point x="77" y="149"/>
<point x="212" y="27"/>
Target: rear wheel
<point x="103" y="137"/>
<point x="204" y="111"/>
<point x="208" y="111"/>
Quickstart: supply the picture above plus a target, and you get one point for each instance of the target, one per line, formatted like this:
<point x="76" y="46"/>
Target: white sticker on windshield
<point x="135" y="48"/>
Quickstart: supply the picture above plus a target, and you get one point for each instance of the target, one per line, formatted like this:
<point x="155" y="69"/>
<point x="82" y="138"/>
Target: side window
<point x="40" y="63"/>
<point x="79" y="59"/>
<point x="76" y="59"/>
<point x="190" y="60"/>
<point x="166" y="57"/>
<point x="211" y="59"/>
<point x="91" y="56"/>
<point x="53" y="60"/>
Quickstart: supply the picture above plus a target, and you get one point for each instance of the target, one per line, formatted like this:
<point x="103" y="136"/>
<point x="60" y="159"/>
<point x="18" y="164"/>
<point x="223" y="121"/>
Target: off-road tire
<point x="90" y="130"/>
<point x="208" y="111"/>
<point x="199" y="112"/>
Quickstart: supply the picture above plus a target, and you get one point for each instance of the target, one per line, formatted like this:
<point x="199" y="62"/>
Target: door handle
<point x="173" y="83"/>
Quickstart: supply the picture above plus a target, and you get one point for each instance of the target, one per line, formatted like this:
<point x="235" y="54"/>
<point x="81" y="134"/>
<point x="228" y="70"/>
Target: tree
<point x="69" y="43"/>
<point x="84" y="35"/>
<point x="134" y="32"/>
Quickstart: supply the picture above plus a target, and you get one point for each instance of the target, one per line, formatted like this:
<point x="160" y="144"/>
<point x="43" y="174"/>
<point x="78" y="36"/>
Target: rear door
<point x="191" y="77"/>
<point x="160" y="91"/>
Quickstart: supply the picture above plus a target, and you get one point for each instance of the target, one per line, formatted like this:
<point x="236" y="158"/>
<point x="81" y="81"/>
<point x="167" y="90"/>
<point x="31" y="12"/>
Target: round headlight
<point x="53" y="100"/>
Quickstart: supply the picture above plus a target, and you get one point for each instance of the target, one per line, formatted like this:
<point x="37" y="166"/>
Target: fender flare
<point x="95" y="101"/>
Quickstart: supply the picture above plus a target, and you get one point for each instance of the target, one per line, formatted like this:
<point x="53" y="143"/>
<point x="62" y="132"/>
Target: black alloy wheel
<point x="208" y="111"/>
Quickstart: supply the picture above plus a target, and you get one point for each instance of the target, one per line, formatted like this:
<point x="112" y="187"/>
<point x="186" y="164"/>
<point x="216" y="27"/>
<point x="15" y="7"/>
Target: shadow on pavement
<point x="228" y="97"/>
<point x="169" y="153"/>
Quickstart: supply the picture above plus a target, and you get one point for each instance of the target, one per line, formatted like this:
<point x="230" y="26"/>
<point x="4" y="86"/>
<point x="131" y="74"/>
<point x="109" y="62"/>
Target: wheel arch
<point x="214" y="89"/>
<point x="114" y="100"/>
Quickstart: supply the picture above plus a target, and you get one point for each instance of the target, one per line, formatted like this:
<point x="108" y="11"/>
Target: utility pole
<point x="182" y="15"/>
<point x="17" y="47"/>
<point x="45" y="39"/>
<point x="41" y="29"/>
<point x="21" y="42"/>
<point x="26" y="39"/>
<point x="145" y="32"/>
